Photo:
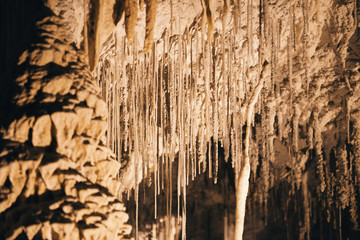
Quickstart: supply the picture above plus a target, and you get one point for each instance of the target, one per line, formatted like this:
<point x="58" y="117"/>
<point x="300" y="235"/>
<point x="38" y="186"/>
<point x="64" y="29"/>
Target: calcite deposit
<point x="216" y="119"/>
<point x="57" y="177"/>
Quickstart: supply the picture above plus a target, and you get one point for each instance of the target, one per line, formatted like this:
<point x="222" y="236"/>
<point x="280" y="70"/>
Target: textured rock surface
<point x="181" y="103"/>
<point x="57" y="179"/>
<point x="303" y="146"/>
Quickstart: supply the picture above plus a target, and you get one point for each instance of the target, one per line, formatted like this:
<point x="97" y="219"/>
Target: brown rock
<point x="81" y="213"/>
<point x="47" y="170"/>
<point x="59" y="58"/>
<point x="41" y="57"/>
<point x="56" y="205"/>
<point x="69" y="187"/>
<point x="23" y="57"/>
<point x="32" y="230"/>
<point x="96" y="128"/>
<point x="82" y="95"/>
<point x="23" y="79"/>
<point x="65" y="124"/>
<point x="107" y="168"/>
<point x="17" y="179"/>
<point x="91" y="100"/>
<point x="48" y="99"/>
<point x="59" y="85"/>
<point x="92" y="219"/>
<point x="103" y="153"/>
<point x="97" y="198"/>
<point x="100" y="108"/>
<point x="46" y="230"/>
<point x="19" y="129"/>
<point x="91" y="233"/>
<point x="112" y="185"/>
<point x="85" y="193"/>
<point x="40" y="185"/>
<point x="78" y="149"/>
<point x="41" y="135"/>
<point x="85" y="115"/>
<point x="4" y="173"/>
<point x="67" y="208"/>
<point x="63" y="230"/>
<point x="90" y="173"/>
<point x="30" y="187"/>
<point x="82" y="150"/>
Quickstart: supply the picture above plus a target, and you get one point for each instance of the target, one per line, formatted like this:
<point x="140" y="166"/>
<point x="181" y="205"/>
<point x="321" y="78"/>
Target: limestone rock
<point x="82" y="149"/>
<point x="41" y="135"/>
<point x="4" y="172"/>
<point x="17" y="183"/>
<point x="59" y="85"/>
<point x="85" y="115"/>
<point x="31" y="183"/>
<point x="100" y="108"/>
<point x="69" y="187"/>
<point x="98" y="198"/>
<point x="65" y="124"/>
<point x="41" y="57"/>
<point x="113" y="185"/>
<point x="107" y="168"/>
<point x="84" y="193"/>
<point x="90" y="173"/>
<point x="32" y="230"/>
<point x="64" y="231"/>
<point x="55" y="183"/>
<point x="103" y="153"/>
<point x="48" y="99"/>
<point x="92" y="219"/>
<point x="19" y="129"/>
<point x="91" y="100"/>
<point x="96" y="128"/>
<point x="82" y="94"/>
<point x="46" y="230"/>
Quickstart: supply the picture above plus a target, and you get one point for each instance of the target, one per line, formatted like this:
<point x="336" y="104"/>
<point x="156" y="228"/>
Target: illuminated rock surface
<point x="189" y="93"/>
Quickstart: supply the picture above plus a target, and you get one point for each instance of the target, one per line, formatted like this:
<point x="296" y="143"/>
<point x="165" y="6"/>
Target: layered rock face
<point x="57" y="178"/>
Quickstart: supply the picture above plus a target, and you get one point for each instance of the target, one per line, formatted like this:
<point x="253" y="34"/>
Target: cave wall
<point x="176" y="78"/>
<point x="207" y="60"/>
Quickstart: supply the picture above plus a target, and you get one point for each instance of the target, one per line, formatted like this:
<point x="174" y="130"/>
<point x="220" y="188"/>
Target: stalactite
<point x="342" y="174"/>
<point x="131" y="12"/>
<point x="208" y="13"/>
<point x="190" y="92"/>
<point x="306" y="204"/>
<point x="215" y="114"/>
<point x="290" y="69"/>
<point x="318" y="150"/>
<point x="151" y="6"/>
<point x="296" y="128"/>
<point x="305" y="9"/>
<point x="208" y="118"/>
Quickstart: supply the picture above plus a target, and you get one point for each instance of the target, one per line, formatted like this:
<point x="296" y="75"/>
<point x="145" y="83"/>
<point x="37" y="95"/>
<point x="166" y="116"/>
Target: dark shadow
<point x="17" y="27"/>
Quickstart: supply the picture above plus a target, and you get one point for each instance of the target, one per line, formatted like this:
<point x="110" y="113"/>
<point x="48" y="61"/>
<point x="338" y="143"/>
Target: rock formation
<point x="57" y="176"/>
<point x="187" y="93"/>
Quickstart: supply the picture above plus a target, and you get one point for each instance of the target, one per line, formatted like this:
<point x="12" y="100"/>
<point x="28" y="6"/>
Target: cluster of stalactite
<point x="57" y="177"/>
<point x="187" y="97"/>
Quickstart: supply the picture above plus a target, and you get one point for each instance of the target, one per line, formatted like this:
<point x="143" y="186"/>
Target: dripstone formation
<point x="56" y="175"/>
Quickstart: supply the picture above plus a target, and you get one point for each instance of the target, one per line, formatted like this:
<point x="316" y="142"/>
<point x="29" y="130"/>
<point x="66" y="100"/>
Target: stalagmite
<point x="242" y="183"/>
